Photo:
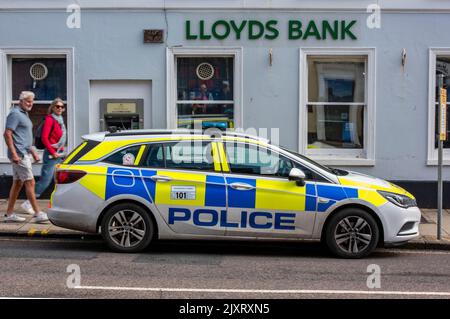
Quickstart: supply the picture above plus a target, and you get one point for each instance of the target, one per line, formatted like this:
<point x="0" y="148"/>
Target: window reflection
<point x="336" y="101"/>
<point x="205" y="92"/>
<point x="335" y="126"/>
<point x="442" y="67"/>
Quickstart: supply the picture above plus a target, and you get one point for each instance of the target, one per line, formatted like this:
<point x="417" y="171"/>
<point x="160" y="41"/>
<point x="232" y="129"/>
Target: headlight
<point x="398" y="199"/>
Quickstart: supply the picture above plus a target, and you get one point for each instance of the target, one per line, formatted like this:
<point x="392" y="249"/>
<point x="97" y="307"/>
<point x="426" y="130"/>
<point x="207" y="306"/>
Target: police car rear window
<point x="125" y="156"/>
<point x="80" y="151"/>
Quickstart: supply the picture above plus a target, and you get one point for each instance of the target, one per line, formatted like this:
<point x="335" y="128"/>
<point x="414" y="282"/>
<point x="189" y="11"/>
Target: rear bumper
<point x="70" y="219"/>
<point x="75" y="208"/>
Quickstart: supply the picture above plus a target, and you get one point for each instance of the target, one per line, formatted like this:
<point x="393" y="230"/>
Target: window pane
<point x="189" y="155"/>
<point x="336" y="79"/>
<point x="310" y="175"/>
<point x="442" y="67"/>
<point x="124" y="157"/>
<point x="204" y="116"/>
<point x="155" y="156"/>
<point x="335" y="126"/>
<point x="205" y="78"/>
<point x="50" y="74"/>
<point x="249" y="159"/>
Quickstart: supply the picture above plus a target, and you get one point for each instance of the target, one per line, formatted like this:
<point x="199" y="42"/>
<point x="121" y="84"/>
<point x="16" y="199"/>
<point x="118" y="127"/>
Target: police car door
<point x="261" y="199"/>
<point x="189" y="189"/>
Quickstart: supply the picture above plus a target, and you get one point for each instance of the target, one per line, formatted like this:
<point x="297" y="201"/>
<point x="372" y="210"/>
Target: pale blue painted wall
<point x="109" y="46"/>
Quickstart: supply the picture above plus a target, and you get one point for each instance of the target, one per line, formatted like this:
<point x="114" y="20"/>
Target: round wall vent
<point x="205" y="71"/>
<point x="38" y="71"/>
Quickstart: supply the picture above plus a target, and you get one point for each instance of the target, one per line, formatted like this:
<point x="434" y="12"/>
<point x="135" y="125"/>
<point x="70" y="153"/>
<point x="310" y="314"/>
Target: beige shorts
<point x="23" y="170"/>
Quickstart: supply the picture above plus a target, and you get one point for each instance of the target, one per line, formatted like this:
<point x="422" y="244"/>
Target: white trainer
<point x="40" y="217"/>
<point x="13" y="218"/>
<point x="26" y="206"/>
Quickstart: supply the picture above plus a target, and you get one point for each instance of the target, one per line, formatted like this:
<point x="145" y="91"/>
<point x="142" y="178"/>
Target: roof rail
<point x="153" y="132"/>
<point x="211" y="132"/>
<point x="243" y="135"/>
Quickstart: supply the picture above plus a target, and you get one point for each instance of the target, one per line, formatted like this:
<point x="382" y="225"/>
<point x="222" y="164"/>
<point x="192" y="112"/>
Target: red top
<point x="49" y="139"/>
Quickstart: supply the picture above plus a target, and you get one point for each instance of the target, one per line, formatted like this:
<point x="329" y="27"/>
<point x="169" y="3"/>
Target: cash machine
<point x="121" y="114"/>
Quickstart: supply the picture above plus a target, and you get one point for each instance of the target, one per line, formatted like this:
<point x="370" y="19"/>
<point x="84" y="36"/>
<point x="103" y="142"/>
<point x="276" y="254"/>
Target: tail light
<point x="67" y="177"/>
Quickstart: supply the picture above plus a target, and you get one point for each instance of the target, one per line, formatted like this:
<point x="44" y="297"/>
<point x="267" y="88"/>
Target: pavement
<point x="426" y="240"/>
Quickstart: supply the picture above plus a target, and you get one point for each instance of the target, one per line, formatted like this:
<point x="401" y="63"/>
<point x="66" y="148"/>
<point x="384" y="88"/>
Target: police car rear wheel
<point x="352" y="233"/>
<point x="127" y="228"/>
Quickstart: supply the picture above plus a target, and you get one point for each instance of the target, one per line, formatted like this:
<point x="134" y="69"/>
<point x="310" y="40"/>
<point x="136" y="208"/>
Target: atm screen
<point x="123" y="123"/>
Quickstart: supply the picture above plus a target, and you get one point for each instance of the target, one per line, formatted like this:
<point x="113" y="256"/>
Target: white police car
<point x="138" y="186"/>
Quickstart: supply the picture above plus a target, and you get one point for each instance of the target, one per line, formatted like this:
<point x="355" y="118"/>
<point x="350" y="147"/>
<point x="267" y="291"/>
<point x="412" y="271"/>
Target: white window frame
<point x="175" y="52"/>
<point x="6" y="99"/>
<point x="432" y="154"/>
<point x="340" y="157"/>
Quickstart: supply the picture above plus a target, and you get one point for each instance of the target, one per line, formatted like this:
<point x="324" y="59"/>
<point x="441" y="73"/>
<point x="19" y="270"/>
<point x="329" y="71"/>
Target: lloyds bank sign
<point x="270" y="30"/>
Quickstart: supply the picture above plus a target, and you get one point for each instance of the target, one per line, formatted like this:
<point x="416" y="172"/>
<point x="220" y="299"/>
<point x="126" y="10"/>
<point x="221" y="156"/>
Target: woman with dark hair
<point x="54" y="136"/>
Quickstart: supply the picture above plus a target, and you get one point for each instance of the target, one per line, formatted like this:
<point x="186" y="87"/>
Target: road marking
<point x="276" y="291"/>
<point x="31" y="232"/>
<point x="418" y="252"/>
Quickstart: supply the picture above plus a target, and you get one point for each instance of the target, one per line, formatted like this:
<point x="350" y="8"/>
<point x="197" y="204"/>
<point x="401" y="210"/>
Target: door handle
<point x="160" y="178"/>
<point x="241" y="186"/>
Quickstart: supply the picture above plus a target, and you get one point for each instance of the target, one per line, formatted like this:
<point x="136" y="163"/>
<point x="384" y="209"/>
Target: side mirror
<point x="298" y="176"/>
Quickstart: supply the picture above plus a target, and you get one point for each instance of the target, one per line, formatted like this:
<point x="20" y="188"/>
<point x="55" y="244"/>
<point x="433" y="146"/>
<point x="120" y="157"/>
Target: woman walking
<point x="54" y="136"/>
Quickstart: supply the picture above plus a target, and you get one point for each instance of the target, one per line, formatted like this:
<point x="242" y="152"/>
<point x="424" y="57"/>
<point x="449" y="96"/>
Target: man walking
<point x="19" y="139"/>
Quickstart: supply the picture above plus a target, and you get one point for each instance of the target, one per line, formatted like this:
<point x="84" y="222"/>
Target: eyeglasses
<point x="59" y="106"/>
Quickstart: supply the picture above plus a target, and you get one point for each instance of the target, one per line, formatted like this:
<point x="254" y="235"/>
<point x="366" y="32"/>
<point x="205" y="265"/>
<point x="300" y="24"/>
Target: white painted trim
<point x="3" y="101"/>
<point x="171" y="75"/>
<point x="170" y="98"/>
<point x="5" y="83"/>
<point x="432" y="153"/>
<point x="445" y="162"/>
<point x="341" y="156"/>
<point x="343" y="5"/>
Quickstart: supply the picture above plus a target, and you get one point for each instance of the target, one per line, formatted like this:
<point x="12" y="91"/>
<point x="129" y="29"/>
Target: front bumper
<point x="400" y="224"/>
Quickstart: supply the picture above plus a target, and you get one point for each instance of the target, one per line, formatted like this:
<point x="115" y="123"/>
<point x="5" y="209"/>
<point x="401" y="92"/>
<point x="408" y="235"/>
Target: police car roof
<point x="100" y="136"/>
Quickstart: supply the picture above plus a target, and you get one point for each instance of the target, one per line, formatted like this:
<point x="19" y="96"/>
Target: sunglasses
<point x="59" y="106"/>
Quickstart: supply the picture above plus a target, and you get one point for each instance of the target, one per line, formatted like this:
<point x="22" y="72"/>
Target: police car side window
<point x="155" y="156"/>
<point x="255" y="160"/>
<point x="310" y="175"/>
<point x="190" y="155"/>
<point x="124" y="157"/>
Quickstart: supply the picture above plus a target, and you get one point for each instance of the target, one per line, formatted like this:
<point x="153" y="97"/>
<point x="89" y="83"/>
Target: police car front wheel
<point x="352" y="233"/>
<point x="127" y="227"/>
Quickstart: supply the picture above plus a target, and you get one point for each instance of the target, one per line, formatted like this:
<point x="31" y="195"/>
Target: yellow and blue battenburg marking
<point x="215" y="194"/>
<point x="334" y="193"/>
<point x="130" y="182"/>
<point x="212" y="191"/>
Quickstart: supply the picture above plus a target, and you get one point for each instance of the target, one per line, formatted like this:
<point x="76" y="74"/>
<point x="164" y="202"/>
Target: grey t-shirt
<point x="19" y="122"/>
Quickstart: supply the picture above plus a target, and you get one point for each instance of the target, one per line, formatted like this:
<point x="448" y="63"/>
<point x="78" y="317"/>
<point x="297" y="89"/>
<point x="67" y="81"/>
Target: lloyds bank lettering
<point x="269" y="30"/>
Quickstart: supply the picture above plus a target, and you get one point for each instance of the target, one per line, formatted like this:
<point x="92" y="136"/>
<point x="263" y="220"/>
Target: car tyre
<point x="127" y="228"/>
<point x="351" y="233"/>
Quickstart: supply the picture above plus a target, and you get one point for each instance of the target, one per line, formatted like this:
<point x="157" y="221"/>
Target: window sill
<point x="343" y="161"/>
<point x="434" y="162"/>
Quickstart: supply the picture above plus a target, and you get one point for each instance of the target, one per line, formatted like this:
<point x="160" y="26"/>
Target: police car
<point x="134" y="187"/>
